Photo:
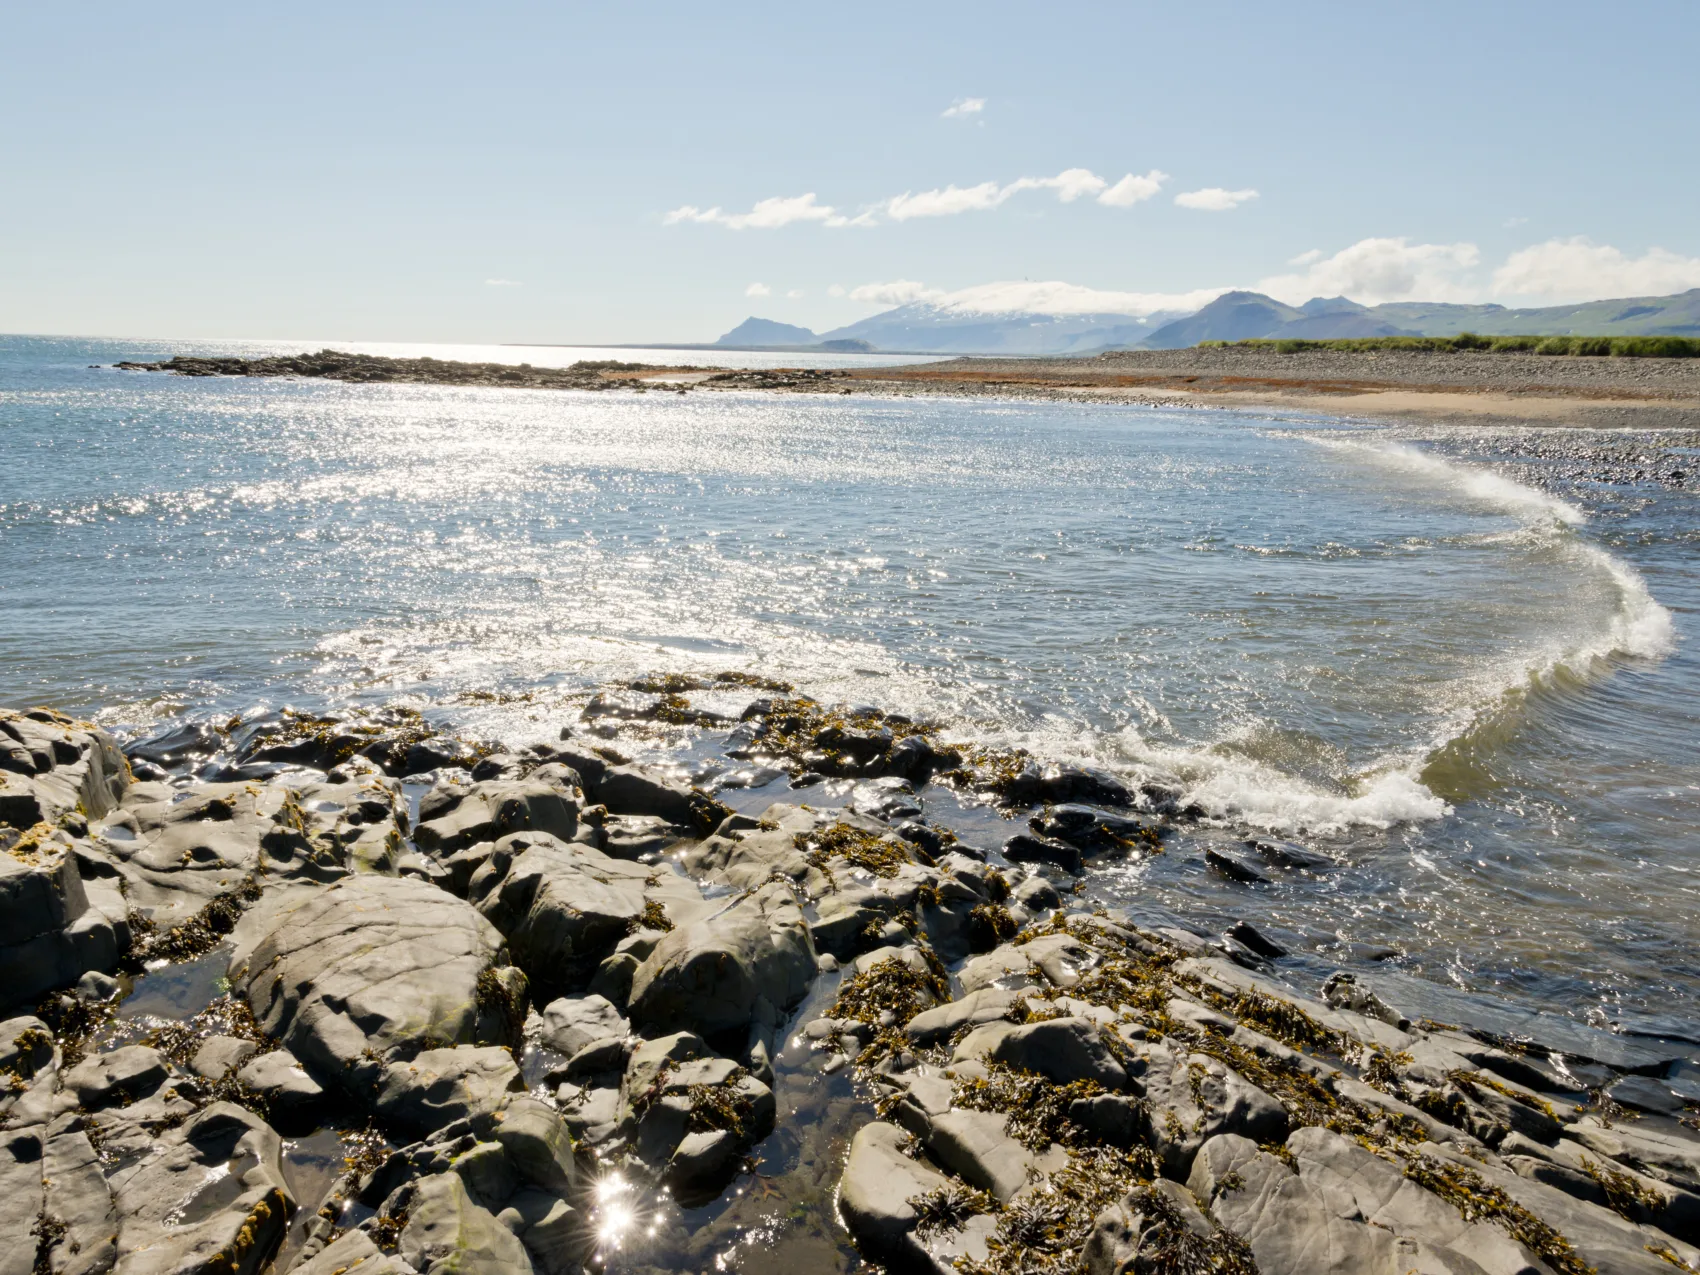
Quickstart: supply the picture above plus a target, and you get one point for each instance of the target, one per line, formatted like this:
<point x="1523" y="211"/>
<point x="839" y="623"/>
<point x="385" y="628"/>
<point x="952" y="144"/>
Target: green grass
<point x="1621" y="347"/>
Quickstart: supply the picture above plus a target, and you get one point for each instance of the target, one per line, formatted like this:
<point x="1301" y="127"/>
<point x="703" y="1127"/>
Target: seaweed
<point x="717" y="1107"/>
<point x="1476" y="1199"/>
<point x="199" y="934"/>
<point x="1623" y="1192"/>
<point x="1285" y="1021"/>
<point x="892" y="987"/>
<point x="990" y="924"/>
<point x="1037" y="1108"/>
<point x="948" y="1208"/>
<point x="884" y="856"/>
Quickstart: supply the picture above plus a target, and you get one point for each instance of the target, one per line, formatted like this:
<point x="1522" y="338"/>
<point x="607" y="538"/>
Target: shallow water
<point x="1467" y="681"/>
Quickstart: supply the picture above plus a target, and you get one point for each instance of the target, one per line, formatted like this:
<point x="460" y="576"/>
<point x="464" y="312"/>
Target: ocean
<point x="1465" y="676"/>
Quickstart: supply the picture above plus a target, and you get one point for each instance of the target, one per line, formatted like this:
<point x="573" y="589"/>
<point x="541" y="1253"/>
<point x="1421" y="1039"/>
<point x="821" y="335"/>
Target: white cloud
<point x="945" y="203"/>
<point x="1054" y="297"/>
<point x="1375" y="270"/>
<point x="1214" y="199"/>
<point x="503" y="283"/>
<point x="897" y="292"/>
<point x="836" y="290"/>
<point x="1132" y="190"/>
<point x="794" y="295"/>
<point x="1578" y="269"/>
<point x="768" y="214"/>
<point x="758" y="290"/>
<point x="964" y="106"/>
<point x="1071" y="184"/>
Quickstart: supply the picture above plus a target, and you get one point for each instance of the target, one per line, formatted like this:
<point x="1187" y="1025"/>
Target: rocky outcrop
<point x="54" y="927"/>
<point x="717" y="973"/>
<point x="54" y="769"/>
<point x="371" y="970"/>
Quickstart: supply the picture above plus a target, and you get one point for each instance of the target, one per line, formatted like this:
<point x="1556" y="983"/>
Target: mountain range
<point x="927" y="326"/>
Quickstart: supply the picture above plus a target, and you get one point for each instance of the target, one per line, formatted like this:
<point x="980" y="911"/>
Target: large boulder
<point x="450" y="1233"/>
<point x="711" y="975"/>
<point x="875" y="1199"/>
<point x="371" y="970"/>
<point x="53" y="767"/>
<point x="565" y="906"/>
<point x="211" y="1196"/>
<point x="452" y="818"/>
<point x="437" y="1087"/>
<point x="53" y="927"/>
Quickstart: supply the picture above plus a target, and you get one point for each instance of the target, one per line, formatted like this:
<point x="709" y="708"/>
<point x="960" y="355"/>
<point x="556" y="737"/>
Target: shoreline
<point x="1474" y="388"/>
<point x="916" y="1049"/>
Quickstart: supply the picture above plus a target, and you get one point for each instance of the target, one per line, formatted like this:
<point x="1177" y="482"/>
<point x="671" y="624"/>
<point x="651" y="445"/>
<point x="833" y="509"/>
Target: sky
<point x="658" y="171"/>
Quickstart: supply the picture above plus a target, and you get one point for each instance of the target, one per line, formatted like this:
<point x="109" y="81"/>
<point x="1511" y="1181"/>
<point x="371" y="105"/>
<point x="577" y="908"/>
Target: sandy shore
<point x="1474" y="388"/>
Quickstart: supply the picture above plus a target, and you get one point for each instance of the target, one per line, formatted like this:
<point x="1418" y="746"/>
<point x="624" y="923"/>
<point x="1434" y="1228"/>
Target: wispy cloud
<point x="1579" y="269"/>
<point x="1214" y="199"/>
<point x="1132" y="189"/>
<point x="768" y="214"/>
<point x="947" y="201"/>
<point x="795" y="294"/>
<point x="897" y="292"/>
<point x="963" y="107"/>
<point x="503" y="283"/>
<point x="758" y="290"/>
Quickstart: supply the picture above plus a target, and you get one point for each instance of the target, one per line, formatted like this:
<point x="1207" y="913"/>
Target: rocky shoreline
<point x="1472" y="388"/>
<point x="548" y="1010"/>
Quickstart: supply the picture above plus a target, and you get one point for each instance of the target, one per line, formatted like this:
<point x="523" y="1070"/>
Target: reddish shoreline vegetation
<point x="531" y="1003"/>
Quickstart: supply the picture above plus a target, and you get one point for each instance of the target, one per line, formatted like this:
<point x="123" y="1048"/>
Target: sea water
<point x="1472" y="688"/>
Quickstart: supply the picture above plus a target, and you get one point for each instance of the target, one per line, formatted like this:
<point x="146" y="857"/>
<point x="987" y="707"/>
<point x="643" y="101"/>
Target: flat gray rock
<point x="440" y="1086"/>
<point x="572" y="1022"/>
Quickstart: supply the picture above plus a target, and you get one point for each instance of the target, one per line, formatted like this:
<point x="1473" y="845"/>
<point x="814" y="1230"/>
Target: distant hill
<point x="754" y="331"/>
<point x="921" y="325"/>
<point x="1243" y="316"/>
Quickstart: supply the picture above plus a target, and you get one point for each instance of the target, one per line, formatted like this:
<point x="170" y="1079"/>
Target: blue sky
<point x="505" y="172"/>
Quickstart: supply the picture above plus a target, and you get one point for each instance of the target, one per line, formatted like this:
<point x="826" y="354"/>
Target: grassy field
<point x="1622" y="347"/>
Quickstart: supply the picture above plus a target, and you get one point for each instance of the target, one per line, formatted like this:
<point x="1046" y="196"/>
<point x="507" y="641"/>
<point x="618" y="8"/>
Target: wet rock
<point x="292" y="1098"/>
<point x="1157" y="1228"/>
<point x="572" y="1022"/>
<point x="631" y="790"/>
<point x="1234" y="864"/>
<point x="636" y="838"/>
<point x="494" y="809"/>
<point x="352" y="1253"/>
<point x="937" y="1025"/>
<point x="555" y="1234"/>
<point x="1290" y="855"/>
<point x="26" y="1046"/>
<point x="1343" y="991"/>
<point x="1094" y="831"/>
<point x="1111" y="1118"/>
<point x="361" y="973"/>
<point x="874" y="1198"/>
<point x="976" y="1147"/>
<point x="1054" y="960"/>
<point x="889" y="799"/>
<point x="211" y="1196"/>
<point x="702" y="1164"/>
<point x="440" y="1086"/>
<point x="564" y="907"/>
<point x="539" y="1144"/>
<point x="219" y="1055"/>
<point x="448" y="1231"/>
<point x="1025" y="848"/>
<point x="1192" y="1098"/>
<point x="1063" y="1050"/>
<point x="709" y="974"/>
<point x="1640" y="1093"/>
<point x="1243" y="932"/>
<point x="124" y="1075"/>
<point x="76" y="1194"/>
<point x="1669" y="1154"/>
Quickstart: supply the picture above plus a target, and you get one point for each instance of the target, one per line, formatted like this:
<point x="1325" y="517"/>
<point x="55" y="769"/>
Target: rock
<point x="1054" y="960"/>
<point x="631" y="790"/>
<point x="1243" y="932"/>
<point x="1343" y="992"/>
<point x="449" y="1233"/>
<point x="572" y="1022"/>
<point x="210" y="1197"/>
<point x="613" y="979"/>
<point x="26" y="1046"/>
<point x="591" y="1115"/>
<point x="553" y="1232"/>
<point x="1063" y="1050"/>
<point x="218" y="1055"/>
<point x="361" y="973"/>
<point x="51" y="933"/>
<point x="1157" y="1228"/>
<point x="937" y="1025"/>
<point x="1287" y="854"/>
<point x="539" y="1144"/>
<point x="708" y="975"/>
<point x="76" y="1194"/>
<point x="124" y="1075"/>
<point x="702" y="1164"/>
<point x="1671" y="1155"/>
<point x="493" y="810"/>
<point x="1026" y="848"/>
<point x="1111" y="1118"/>
<point x="439" y="1086"/>
<point x="874" y="1194"/>
<point x="564" y="907"/>
<point x="636" y="838"/>
<point x="1192" y="1098"/>
<point x="974" y="1146"/>
<point x="1234" y="865"/>
<point x="294" y="1099"/>
<point x="1639" y="1093"/>
<point x="52" y="766"/>
<point x="352" y="1253"/>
